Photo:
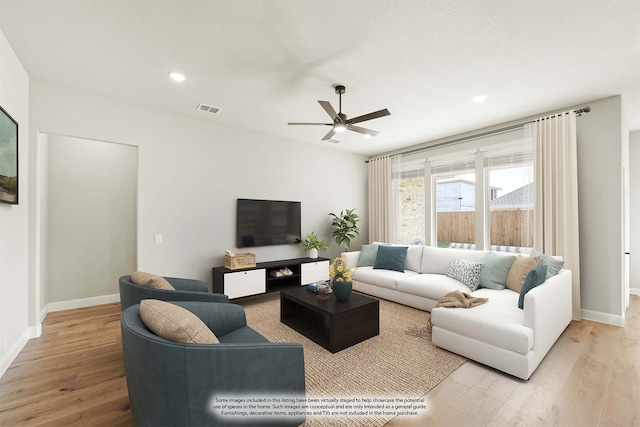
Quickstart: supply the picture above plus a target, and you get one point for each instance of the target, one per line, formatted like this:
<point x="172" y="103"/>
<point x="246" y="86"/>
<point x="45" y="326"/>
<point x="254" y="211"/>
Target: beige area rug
<point x="400" y="362"/>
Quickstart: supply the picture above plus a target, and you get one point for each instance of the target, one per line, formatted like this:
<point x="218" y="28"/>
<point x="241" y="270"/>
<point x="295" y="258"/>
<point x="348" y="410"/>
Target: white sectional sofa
<point x="497" y="333"/>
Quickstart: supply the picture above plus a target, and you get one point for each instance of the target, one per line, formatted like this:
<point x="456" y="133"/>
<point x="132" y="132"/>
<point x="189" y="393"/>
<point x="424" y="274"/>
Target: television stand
<point x="259" y="280"/>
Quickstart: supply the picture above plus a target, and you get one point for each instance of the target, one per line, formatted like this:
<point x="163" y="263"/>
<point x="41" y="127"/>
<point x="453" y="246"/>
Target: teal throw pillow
<point x="368" y="255"/>
<point x="495" y="271"/>
<point x="553" y="265"/>
<point x="534" y="278"/>
<point x="465" y="271"/>
<point x="391" y="258"/>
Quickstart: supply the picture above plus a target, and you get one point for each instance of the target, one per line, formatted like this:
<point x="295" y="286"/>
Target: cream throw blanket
<point x="457" y="299"/>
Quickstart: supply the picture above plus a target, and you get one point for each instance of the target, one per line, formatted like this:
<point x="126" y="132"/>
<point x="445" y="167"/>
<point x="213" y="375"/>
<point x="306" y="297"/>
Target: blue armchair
<point x="175" y="384"/>
<point x="186" y="290"/>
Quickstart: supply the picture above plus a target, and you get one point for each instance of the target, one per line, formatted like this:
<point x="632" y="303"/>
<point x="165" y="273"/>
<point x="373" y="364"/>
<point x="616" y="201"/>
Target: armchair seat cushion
<point x="243" y="335"/>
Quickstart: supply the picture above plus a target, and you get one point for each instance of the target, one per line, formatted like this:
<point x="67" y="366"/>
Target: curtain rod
<point x="578" y="112"/>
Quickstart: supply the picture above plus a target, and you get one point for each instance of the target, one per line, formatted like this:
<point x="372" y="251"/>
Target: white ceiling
<point x="266" y="63"/>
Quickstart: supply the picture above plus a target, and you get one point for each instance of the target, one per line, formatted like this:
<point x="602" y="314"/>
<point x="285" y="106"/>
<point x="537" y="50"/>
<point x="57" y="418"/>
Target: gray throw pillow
<point x="368" y="255"/>
<point x="553" y="265"/>
<point x="495" y="271"/>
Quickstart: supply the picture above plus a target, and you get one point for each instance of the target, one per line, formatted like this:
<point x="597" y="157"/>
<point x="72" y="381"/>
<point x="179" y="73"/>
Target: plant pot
<point x="342" y="290"/>
<point x="313" y="253"/>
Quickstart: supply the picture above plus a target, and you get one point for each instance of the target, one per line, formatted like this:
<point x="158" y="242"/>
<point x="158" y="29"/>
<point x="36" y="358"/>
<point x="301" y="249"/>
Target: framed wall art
<point x="8" y="158"/>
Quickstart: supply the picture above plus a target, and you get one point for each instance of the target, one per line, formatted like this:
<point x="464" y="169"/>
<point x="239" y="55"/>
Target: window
<point x="455" y="198"/>
<point x="510" y="172"/>
<point x="479" y="194"/>
<point x="410" y="206"/>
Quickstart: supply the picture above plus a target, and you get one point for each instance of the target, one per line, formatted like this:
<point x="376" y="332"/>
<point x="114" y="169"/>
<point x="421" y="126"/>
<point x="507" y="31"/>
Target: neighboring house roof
<point x="462" y="180"/>
<point x="517" y="199"/>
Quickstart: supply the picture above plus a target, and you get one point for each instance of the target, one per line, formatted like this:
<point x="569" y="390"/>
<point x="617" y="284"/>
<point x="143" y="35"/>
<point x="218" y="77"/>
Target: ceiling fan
<point x="340" y="121"/>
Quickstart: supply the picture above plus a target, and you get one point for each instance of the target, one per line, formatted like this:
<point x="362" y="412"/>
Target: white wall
<point x="191" y="171"/>
<point x="92" y="199"/>
<point x="600" y="205"/>
<point x="14" y="219"/>
<point x="634" y="212"/>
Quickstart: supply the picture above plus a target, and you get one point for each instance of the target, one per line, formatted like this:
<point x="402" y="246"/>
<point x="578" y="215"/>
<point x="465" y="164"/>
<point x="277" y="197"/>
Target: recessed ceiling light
<point x="367" y="136"/>
<point x="178" y="77"/>
<point x="480" y="99"/>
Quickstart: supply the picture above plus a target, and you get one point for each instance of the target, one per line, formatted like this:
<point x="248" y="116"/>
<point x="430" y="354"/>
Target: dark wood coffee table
<point x="330" y="323"/>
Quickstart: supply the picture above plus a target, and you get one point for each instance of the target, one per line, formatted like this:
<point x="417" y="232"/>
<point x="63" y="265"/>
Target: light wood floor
<point x="74" y="375"/>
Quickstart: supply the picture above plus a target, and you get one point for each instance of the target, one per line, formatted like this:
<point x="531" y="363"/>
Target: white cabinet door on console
<point x="245" y="283"/>
<point x="312" y="272"/>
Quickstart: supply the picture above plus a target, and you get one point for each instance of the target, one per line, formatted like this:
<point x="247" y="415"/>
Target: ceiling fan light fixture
<point x="340" y="123"/>
<point x="367" y="136"/>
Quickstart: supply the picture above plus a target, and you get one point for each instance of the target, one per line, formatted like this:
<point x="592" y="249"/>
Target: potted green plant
<point x="312" y="244"/>
<point x="345" y="227"/>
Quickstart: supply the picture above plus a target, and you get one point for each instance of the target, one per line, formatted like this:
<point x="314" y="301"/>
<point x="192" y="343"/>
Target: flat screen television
<point x="267" y="222"/>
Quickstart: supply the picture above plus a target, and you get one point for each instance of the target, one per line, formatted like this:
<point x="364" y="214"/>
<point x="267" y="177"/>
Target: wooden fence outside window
<point x="509" y="227"/>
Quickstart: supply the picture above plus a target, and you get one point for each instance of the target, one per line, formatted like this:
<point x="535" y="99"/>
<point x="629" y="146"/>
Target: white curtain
<point x="380" y="200"/>
<point x="556" y="193"/>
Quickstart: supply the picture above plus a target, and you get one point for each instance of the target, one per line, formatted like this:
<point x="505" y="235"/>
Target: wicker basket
<point x="239" y="261"/>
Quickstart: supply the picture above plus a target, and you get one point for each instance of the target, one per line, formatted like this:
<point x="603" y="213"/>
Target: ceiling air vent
<point x="208" y="108"/>
<point x="335" y="141"/>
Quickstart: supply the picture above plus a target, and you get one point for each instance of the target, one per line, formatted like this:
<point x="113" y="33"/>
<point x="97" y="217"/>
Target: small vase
<point x="342" y="290"/>
<point x="313" y="253"/>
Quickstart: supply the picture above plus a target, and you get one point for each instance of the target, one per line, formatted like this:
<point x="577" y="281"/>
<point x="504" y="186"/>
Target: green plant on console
<point x="345" y="227"/>
<point x="311" y="241"/>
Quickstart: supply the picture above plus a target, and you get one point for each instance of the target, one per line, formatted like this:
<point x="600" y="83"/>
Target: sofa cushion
<point x="465" y="271"/>
<point x="437" y="260"/>
<point x="149" y="280"/>
<point x="535" y="277"/>
<point x="391" y="258"/>
<point x="432" y="286"/>
<point x="175" y="323"/>
<point x="554" y="263"/>
<point x="383" y="278"/>
<point x="414" y="258"/>
<point x="498" y="322"/>
<point x="519" y="270"/>
<point x="368" y="255"/>
<point x="495" y="271"/>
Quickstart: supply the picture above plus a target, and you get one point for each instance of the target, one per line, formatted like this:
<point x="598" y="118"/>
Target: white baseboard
<point x="600" y="317"/>
<point x="80" y="303"/>
<point x="12" y="352"/>
<point x="634" y="291"/>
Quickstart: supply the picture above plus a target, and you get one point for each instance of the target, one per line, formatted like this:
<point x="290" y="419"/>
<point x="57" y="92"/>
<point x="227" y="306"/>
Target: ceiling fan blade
<point x="363" y="130"/>
<point x="329" y="135"/>
<point x="307" y="124"/>
<point x="369" y="116"/>
<point x="329" y="109"/>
